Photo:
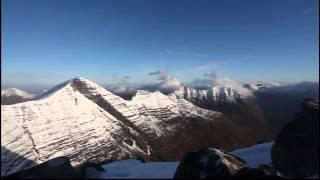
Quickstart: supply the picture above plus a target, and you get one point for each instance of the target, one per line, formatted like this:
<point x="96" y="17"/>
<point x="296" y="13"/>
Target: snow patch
<point x="131" y="168"/>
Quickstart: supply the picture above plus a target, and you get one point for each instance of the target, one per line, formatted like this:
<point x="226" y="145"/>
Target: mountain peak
<point x="79" y="78"/>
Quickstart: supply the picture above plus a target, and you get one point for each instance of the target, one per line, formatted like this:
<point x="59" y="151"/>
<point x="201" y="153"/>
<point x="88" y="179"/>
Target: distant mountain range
<point x="14" y="95"/>
<point x="87" y="122"/>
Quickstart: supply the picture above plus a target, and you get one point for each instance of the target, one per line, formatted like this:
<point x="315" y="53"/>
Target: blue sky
<point x="45" y="42"/>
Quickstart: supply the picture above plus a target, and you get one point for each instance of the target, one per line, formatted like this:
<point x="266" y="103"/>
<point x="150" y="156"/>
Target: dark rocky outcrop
<point x="59" y="167"/>
<point x="209" y="163"/>
<point x="295" y="152"/>
<point x="214" y="163"/>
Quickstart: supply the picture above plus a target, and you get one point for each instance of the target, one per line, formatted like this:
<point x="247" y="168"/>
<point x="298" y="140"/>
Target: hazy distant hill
<point x="14" y="95"/>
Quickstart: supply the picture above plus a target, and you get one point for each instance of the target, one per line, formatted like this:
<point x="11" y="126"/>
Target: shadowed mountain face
<point x="240" y="108"/>
<point x="12" y="100"/>
<point x="12" y="162"/>
<point x="279" y="104"/>
<point x="296" y="149"/>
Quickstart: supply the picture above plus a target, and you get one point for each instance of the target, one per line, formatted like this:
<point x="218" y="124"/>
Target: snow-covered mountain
<point x="161" y="119"/>
<point x="213" y="96"/>
<point x="85" y="122"/>
<point x="63" y="121"/>
<point x="233" y="100"/>
<point x="14" y="95"/>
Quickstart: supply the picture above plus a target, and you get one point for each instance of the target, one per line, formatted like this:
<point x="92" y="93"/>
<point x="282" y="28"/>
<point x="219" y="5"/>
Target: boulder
<point x="295" y="152"/>
<point x="209" y="163"/>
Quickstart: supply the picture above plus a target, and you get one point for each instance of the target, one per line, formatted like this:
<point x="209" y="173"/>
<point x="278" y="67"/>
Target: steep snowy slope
<point x="14" y="95"/>
<point x="181" y="125"/>
<point x="159" y="107"/>
<point x="161" y="119"/>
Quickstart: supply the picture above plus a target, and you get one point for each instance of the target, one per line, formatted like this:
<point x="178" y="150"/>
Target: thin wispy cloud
<point x="301" y="13"/>
<point x="205" y="67"/>
<point x="211" y="79"/>
<point x="184" y="53"/>
<point x="219" y="64"/>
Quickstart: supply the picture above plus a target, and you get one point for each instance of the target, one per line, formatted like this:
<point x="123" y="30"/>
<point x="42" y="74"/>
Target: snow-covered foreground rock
<point x="254" y="156"/>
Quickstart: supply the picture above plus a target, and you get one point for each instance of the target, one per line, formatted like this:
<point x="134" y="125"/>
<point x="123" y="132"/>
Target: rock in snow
<point x="165" y="170"/>
<point x="209" y="163"/>
<point x="132" y="168"/>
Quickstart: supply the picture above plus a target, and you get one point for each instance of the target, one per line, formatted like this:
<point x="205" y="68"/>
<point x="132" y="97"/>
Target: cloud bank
<point x="212" y="80"/>
<point x="167" y="82"/>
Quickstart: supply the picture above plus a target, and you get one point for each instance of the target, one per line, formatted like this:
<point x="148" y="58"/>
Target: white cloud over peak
<point x="167" y="81"/>
<point x="212" y="80"/>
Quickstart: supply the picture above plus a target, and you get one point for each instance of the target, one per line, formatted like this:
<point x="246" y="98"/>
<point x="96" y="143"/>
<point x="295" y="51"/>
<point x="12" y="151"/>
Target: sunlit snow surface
<point x="136" y="169"/>
<point x="255" y="155"/>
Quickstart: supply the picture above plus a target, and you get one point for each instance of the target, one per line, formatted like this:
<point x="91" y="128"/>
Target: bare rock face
<point x="209" y="163"/>
<point x="295" y="152"/>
